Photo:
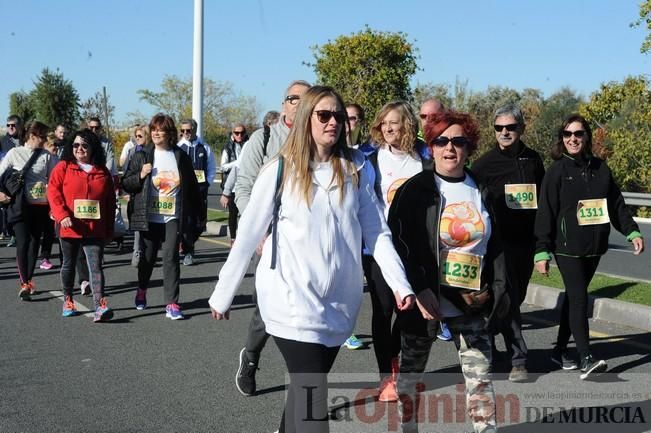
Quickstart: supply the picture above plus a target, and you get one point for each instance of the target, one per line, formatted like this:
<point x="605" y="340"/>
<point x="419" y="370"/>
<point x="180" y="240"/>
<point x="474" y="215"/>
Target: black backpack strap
<point x="377" y="186"/>
<point x="265" y="139"/>
<point x="274" y="220"/>
<point x="32" y="159"/>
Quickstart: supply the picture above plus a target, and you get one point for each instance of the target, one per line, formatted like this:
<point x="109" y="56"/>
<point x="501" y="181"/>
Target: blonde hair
<point x="299" y="149"/>
<point x="145" y="132"/>
<point x="408" y="122"/>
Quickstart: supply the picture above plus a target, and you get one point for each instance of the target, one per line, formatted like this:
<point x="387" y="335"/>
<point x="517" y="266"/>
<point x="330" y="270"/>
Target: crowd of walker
<point x="445" y="247"/>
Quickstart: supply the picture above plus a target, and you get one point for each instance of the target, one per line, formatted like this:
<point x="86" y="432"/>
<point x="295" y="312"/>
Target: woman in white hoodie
<point x="309" y="279"/>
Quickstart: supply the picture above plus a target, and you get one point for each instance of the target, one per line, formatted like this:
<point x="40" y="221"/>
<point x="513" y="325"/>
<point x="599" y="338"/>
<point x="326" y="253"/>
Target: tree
<point x="369" y="68"/>
<point x="95" y="106"/>
<point x="423" y="92"/>
<point x="55" y="100"/>
<point x="20" y="104"/>
<point x="623" y="111"/>
<point x="645" y="18"/>
<point x="223" y="107"/>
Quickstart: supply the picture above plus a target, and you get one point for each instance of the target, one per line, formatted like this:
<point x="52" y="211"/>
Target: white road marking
<point x="81" y="308"/>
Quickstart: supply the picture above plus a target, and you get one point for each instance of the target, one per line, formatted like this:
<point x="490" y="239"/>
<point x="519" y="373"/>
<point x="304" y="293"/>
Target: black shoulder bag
<point x="12" y="181"/>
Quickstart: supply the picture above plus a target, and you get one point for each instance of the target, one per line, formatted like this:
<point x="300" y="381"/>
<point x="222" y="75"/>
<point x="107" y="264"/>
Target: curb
<point x="609" y="310"/>
<point x="214" y="228"/>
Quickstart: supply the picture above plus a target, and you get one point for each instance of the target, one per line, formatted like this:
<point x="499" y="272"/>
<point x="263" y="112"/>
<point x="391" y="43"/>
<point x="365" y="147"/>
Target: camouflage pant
<point x="474" y="348"/>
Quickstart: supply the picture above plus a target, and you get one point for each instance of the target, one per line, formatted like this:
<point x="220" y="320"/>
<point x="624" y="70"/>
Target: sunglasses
<point x="422" y="116"/>
<point x="186" y="131"/>
<point x="11" y="125"/>
<point x="238" y="132"/>
<point x="83" y="145"/>
<point x="352" y="118"/>
<point x="443" y="141"/>
<point x="292" y="99"/>
<point x="324" y="116"/>
<point x="139" y="136"/>
<point x="578" y="134"/>
<point x="510" y="127"/>
<point x="93" y="128"/>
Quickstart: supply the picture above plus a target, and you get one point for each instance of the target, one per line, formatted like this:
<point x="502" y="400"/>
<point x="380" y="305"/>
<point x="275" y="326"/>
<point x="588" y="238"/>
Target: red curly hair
<point x="439" y="122"/>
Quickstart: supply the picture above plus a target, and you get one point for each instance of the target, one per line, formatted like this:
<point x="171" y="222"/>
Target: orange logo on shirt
<point x="461" y="225"/>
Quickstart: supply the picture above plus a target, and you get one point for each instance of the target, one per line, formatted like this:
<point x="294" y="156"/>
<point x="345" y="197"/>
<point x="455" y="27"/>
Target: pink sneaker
<point x="45" y="264"/>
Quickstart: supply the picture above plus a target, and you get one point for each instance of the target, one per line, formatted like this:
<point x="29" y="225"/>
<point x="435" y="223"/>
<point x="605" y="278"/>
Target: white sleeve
<point x="252" y="229"/>
<point x="377" y="237"/>
<point x="211" y="170"/>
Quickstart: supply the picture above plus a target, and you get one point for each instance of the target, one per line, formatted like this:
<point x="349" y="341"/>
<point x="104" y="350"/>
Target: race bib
<point x="87" y="209"/>
<point x="521" y="196"/>
<point x="459" y="269"/>
<point x="201" y="176"/>
<point x="37" y="191"/>
<point x="591" y="212"/>
<point x="163" y="206"/>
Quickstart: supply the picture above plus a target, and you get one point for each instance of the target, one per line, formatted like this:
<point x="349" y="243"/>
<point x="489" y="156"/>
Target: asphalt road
<point x="145" y="373"/>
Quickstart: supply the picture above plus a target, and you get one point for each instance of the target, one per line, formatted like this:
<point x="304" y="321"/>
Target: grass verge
<point x="602" y="286"/>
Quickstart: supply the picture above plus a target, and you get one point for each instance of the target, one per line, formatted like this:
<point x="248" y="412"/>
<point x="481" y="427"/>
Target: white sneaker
<point x="84" y="287"/>
<point x="188" y="260"/>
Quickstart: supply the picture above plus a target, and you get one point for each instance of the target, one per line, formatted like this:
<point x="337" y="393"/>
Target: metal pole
<point x="107" y="127"/>
<point x="197" y="67"/>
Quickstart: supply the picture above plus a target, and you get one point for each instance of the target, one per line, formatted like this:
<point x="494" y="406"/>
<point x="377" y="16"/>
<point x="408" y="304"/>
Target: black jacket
<point x="139" y="188"/>
<point x="567" y="181"/>
<point x="414" y="218"/>
<point x="498" y="167"/>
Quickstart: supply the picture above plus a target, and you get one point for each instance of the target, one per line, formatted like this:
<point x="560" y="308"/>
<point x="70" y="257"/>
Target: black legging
<point x="232" y="217"/>
<point x="48" y="240"/>
<point x="308" y="365"/>
<point x="386" y="338"/>
<point x="28" y="239"/>
<point x="577" y="272"/>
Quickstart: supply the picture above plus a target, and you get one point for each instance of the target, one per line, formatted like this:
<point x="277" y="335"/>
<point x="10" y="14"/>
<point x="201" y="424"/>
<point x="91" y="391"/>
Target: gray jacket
<point x="253" y="157"/>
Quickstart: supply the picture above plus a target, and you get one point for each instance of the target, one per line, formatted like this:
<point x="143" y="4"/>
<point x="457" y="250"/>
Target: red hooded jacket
<point x="68" y="182"/>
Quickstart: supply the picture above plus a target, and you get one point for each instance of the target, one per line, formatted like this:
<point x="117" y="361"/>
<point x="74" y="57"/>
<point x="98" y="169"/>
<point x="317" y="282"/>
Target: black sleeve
<point x="548" y="208"/>
<point x="131" y="181"/>
<point x="620" y="216"/>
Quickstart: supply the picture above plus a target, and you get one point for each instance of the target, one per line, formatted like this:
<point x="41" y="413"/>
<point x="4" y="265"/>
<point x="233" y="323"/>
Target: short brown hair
<point x="164" y="123"/>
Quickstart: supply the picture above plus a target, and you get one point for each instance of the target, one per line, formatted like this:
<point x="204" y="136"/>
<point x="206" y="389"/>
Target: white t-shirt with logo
<point x="164" y="196"/>
<point x="394" y="169"/>
<point x="464" y="226"/>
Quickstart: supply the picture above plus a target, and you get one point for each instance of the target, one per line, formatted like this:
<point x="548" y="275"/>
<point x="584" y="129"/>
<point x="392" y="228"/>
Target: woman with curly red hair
<point x="442" y="229"/>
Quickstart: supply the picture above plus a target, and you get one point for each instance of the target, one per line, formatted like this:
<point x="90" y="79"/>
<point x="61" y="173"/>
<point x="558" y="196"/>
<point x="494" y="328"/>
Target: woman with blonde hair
<point x="399" y="157"/>
<point x="309" y="279"/>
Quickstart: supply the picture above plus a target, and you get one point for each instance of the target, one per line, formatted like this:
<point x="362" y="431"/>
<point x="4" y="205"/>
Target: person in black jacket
<point x="442" y="228"/>
<point x="164" y="192"/>
<point x="513" y="173"/>
<point x="578" y="202"/>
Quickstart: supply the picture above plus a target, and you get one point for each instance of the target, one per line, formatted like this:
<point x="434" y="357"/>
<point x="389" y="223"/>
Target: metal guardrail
<point x="637" y="198"/>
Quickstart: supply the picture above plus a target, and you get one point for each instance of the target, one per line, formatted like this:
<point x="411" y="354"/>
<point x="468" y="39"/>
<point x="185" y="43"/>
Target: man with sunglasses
<point x="95" y="125"/>
<point x="264" y="144"/>
<point x="205" y="169"/>
<point x="12" y="138"/>
<point x="513" y="173"/>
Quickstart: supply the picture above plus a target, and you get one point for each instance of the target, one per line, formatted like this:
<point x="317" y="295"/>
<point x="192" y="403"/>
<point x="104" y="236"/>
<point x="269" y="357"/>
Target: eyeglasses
<point x="292" y="99"/>
<point x="139" y="136"/>
<point x="578" y="134"/>
<point x="238" y="132"/>
<point x="11" y="125"/>
<point x="324" y="116"/>
<point x="186" y="131"/>
<point x="83" y="145"/>
<point x="510" y="127"/>
<point x="443" y="141"/>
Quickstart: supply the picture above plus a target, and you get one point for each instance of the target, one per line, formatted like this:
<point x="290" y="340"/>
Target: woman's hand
<point x="224" y="200"/>
<point x="542" y="267"/>
<point x="4" y="198"/>
<point x="145" y="170"/>
<point x="404" y="304"/>
<point x="66" y="223"/>
<point x="428" y="305"/>
<point x="638" y="246"/>
<point x="219" y="316"/>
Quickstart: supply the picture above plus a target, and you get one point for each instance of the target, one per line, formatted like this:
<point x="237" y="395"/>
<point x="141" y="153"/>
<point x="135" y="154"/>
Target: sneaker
<point x="353" y="343"/>
<point x="25" y="292"/>
<point x="188" y="260"/>
<point x="245" y="377"/>
<point x="45" y="264"/>
<point x="519" y="373"/>
<point x="388" y="391"/>
<point x="31" y="287"/>
<point x="141" y="299"/>
<point x="102" y="312"/>
<point x="444" y="333"/>
<point x="561" y="357"/>
<point x="12" y="242"/>
<point x="173" y="311"/>
<point x="135" y="259"/>
<point x="69" y="308"/>
<point x="590" y="366"/>
<point x="84" y="288"/>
